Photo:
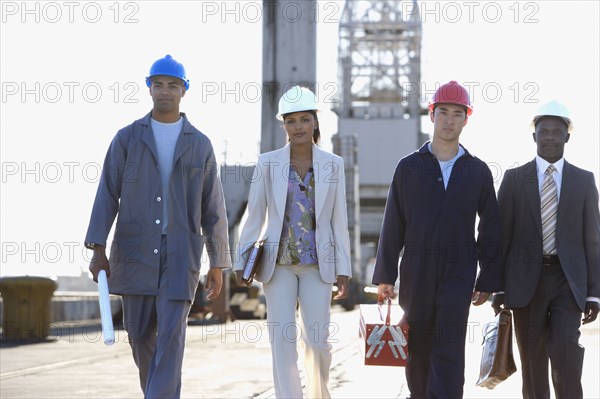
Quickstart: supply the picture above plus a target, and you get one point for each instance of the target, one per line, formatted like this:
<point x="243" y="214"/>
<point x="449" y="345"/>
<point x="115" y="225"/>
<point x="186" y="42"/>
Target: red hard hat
<point x="451" y="93"/>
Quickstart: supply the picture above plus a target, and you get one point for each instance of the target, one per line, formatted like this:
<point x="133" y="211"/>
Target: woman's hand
<point x="239" y="281"/>
<point x="343" y="285"/>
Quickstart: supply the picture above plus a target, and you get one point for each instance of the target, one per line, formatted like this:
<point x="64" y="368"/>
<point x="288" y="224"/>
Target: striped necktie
<point x="549" y="207"/>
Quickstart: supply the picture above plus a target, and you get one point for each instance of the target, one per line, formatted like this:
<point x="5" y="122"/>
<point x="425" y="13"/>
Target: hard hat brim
<point x="186" y="83"/>
<point x="568" y="121"/>
<point x="468" y="108"/>
<point x="280" y="116"/>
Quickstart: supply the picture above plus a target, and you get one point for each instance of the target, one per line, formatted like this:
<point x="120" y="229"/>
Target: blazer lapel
<point x="320" y="168"/>
<point x="568" y="188"/>
<point x="281" y="172"/>
<point x="532" y="192"/>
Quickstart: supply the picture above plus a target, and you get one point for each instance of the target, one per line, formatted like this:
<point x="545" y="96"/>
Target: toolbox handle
<point x="389" y="310"/>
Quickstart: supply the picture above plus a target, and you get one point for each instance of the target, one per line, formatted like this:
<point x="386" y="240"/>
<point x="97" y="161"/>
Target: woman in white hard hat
<point x="301" y="189"/>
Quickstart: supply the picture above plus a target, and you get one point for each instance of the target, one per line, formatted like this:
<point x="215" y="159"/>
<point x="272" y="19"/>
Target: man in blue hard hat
<point x="160" y="181"/>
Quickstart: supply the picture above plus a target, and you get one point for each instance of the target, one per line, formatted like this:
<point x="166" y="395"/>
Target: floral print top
<point x="297" y="243"/>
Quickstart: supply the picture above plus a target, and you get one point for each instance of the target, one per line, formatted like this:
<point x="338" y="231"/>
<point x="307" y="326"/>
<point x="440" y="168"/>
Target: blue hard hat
<point x="168" y="66"/>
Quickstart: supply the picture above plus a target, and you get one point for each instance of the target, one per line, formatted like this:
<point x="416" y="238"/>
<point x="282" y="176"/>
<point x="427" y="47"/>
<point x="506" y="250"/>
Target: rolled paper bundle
<point x="105" y="313"/>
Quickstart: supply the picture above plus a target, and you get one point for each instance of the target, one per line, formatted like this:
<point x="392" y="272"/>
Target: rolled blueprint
<point x="105" y="313"/>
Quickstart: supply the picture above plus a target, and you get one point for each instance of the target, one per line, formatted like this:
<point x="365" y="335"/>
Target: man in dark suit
<point x="551" y="255"/>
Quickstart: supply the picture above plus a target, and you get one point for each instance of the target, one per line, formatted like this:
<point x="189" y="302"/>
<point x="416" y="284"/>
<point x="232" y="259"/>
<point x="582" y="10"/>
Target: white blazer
<point x="268" y="195"/>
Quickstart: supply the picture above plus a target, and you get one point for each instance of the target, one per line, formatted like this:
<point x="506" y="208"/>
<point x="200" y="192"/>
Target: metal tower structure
<point x="378" y="110"/>
<point x="380" y="60"/>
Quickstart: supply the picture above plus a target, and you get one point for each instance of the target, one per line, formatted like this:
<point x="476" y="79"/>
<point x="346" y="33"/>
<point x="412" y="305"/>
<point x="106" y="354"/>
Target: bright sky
<point x="72" y="74"/>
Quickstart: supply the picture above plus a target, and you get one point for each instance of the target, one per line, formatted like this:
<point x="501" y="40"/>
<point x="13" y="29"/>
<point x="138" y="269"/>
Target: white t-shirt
<point x="165" y="137"/>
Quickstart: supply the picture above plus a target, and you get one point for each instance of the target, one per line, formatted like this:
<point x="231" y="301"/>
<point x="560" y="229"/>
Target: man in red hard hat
<point x="434" y="199"/>
<point x="551" y="255"/>
<point x="159" y="180"/>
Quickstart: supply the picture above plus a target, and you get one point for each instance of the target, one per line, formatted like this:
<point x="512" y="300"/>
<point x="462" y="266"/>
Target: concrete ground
<point x="232" y="361"/>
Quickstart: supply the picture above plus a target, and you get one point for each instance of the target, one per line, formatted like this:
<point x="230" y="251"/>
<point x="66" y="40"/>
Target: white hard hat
<point x="553" y="108"/>
<point x="297" y="99"/>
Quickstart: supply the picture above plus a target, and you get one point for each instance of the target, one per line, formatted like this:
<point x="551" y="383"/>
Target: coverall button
<point x="157" y="221"/>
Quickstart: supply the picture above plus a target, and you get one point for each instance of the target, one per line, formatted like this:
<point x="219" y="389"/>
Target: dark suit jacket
<point x="577" y="233"/>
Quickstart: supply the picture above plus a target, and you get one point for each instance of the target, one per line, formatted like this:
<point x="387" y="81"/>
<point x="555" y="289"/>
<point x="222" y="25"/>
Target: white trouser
<point x="302" y="283"/>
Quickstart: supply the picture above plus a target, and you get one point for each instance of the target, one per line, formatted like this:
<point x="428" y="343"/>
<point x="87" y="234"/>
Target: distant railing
<point x="75" y="306"/>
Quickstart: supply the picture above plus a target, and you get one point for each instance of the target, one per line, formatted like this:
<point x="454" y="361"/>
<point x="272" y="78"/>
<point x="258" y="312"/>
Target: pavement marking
<point x="38" y="369"/>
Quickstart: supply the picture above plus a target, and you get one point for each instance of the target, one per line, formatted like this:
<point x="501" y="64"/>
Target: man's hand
<point x="479" y="297"/>
<point x="498" y="303"/>
<point x="343" y="285"/>
<point x="214" y="282"/>
<point x="591" y="312"/>
<point x="99" y="262"/>
<point x="385" y="291"/>
<point x="239" y="281"/>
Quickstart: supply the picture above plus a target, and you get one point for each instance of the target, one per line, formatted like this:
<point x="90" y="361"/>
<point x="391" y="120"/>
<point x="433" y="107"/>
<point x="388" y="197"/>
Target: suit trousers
<point x="300" y="284"/>
<point x="156" y="329"/>
<point x="548" y="328"/>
